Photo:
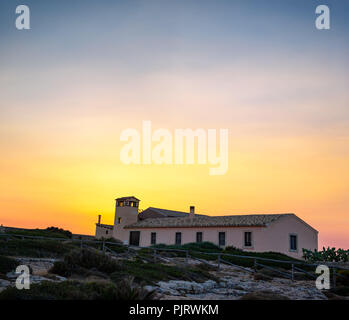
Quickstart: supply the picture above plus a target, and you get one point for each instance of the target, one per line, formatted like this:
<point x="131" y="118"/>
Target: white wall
<point x="272" y="238"/>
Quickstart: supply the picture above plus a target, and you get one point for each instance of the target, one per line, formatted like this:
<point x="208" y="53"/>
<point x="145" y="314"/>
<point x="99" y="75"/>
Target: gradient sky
<point x="89" y="69"/>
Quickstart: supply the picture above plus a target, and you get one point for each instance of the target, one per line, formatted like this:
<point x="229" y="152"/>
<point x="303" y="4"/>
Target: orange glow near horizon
<point x="42" y="187"/>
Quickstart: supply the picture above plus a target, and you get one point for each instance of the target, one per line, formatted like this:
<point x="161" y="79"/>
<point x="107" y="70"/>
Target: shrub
<point x="126" y="289"/>
<point x="80" y="261"/>
<point x="35" y="248"/>
<point x="7" y="264"/>
<point x="328" y="255"/>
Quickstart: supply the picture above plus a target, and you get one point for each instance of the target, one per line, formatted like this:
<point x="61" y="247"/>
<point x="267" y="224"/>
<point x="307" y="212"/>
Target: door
<point x="134" y="238"/>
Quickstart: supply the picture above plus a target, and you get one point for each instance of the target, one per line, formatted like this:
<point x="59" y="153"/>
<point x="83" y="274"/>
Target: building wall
<point x="102" y="232"/>
<point x="128" y="215"/>
<point x="272" y="238"/>
<point x="279" y="232"/>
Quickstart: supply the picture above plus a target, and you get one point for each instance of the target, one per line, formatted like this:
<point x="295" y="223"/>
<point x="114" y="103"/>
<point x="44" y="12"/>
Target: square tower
<point x="126" y="212"/>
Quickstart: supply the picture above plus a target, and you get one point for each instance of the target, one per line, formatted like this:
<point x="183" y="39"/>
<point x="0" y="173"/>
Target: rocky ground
<point x="232" y="284"/>
<point x="39" y="269"/>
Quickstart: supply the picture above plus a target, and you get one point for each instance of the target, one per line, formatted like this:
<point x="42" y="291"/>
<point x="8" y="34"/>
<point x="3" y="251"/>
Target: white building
<point x="285" y="233"/>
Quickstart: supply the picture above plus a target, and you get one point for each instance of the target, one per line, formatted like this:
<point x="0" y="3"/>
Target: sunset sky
<point x="86" y="70"/>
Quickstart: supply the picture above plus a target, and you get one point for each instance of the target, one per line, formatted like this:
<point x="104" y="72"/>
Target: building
<point x="285" y="233"/>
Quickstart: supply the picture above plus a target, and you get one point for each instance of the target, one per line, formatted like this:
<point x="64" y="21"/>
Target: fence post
<point x="81" y="243"/>
<point x="255" y="266"/>
<point x="219" y="261"/>
<point x="187" y="256"/>
<point x="154" y="255"/>
<point x="292" y="272"/>
<point x="103" y="246"/>
<point x="334" y="278"/>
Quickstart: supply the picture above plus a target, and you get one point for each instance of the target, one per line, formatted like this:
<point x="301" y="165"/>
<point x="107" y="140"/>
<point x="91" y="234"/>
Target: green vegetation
<point x="7" y="264"/>
<point x="328" y="255"/>
<point x="35" y="248"/>
<point x="79" y="262"/>
<point x="205" y="250"/>
<point x="87" y="262"/>
<point x="75" y="290"/>
<point x="51" y="232"/>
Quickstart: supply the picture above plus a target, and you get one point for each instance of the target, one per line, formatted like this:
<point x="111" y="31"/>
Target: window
<point x="293" y="242"/>
<point x="248" y="239"/>
<point x="178" y="238"/>
<point x="153" y="238"/>
<point x="121" y="203"/>
<point x="221" y="238"/>
<point x="106" y="231"/>
<point x="199" y="237"/>
<point x="119" y="220"/>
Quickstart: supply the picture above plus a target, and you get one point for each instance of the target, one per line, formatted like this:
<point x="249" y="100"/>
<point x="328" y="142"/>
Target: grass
<point x="35" y="248"/>
<point x="42" y="248"/>
<point x="75" y="290"/>
<point x="87" y="262"/>
<point x="206" y="249"/>
<point x="51" y="232"/>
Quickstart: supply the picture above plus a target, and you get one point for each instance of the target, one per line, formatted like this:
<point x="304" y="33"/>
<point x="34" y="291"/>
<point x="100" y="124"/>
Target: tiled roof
<point x="170" y="213"/>
<point x="257" y="220"/>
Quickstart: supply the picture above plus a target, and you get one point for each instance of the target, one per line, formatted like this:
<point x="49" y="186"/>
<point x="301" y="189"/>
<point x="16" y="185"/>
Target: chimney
<point x="192" y="212"/>
<point x="99" y="219"/>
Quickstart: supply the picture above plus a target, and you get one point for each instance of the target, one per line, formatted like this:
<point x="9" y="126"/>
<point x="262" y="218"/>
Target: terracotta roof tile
<point x="209" y="221"/>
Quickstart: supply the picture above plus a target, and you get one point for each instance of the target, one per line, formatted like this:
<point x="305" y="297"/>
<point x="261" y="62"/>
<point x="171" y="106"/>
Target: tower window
<point x="199" y="237"/>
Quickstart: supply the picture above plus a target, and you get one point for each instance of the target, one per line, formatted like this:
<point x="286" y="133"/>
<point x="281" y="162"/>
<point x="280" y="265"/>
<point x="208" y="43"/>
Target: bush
<point x="51" y="232"/>
<point x="328" y="255"/>
<point x="35" y="248"/>
<point x="7" y="264"/>
<point x="82" y="260"/>
<point x="126" y="289"/>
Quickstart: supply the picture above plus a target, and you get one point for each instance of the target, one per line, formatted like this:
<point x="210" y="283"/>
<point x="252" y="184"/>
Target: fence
<point x="295" y="265"/>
